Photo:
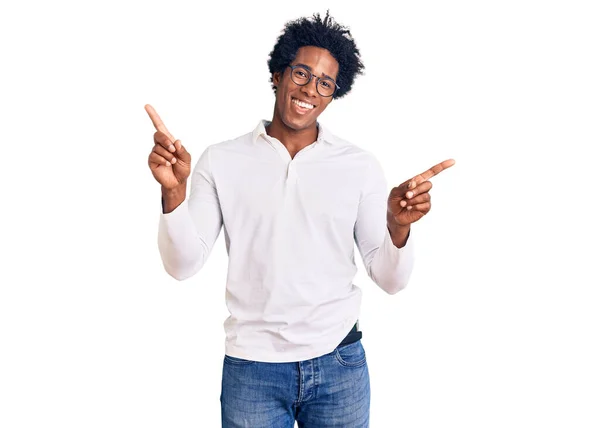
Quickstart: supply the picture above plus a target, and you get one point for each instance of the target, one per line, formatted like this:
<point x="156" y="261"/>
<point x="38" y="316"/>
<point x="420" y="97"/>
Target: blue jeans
<point x="332" y="390"/>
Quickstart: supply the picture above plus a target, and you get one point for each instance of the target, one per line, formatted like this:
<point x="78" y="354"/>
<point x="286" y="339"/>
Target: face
<point x="298" y="117"/>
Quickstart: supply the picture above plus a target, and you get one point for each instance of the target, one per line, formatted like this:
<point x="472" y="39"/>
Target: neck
<point x="292" y="138"/>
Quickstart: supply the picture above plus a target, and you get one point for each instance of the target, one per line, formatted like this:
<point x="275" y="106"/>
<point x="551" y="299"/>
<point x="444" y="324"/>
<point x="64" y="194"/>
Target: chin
<point x="298" y="123"/>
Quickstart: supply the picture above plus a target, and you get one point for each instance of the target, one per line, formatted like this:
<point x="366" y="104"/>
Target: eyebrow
<point x="310" y="69"/>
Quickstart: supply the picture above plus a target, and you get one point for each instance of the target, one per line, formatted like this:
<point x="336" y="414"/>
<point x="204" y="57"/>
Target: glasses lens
<point x="300" y="75"/>
<point x="326" y="87"/>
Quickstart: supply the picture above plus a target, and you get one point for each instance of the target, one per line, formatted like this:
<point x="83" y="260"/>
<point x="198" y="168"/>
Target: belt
<point x="353" y="336"/>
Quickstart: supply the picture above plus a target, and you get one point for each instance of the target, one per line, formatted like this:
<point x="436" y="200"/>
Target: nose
<point x="310" y="89"/>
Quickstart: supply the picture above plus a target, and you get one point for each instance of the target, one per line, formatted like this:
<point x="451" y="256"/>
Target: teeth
<point x="302" y="104"/>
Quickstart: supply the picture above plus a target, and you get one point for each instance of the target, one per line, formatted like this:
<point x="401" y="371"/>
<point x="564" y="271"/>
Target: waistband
<point x="353" y="336"/>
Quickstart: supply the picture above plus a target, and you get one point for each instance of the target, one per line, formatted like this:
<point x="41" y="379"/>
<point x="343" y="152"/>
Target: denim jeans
<point x="332" y="390"/>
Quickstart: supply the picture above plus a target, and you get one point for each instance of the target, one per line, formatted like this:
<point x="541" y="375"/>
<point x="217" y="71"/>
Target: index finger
<point x="434" y="170"/>
<point x="157" y="121"/>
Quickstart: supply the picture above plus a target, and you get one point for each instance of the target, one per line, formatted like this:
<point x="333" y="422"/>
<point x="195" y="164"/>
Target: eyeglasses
<point x="301" y="76"/>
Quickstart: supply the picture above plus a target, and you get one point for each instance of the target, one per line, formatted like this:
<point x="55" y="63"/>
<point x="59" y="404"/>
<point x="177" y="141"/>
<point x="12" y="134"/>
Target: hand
<point x="169" y="161"/>
<point x="410" y="201"/>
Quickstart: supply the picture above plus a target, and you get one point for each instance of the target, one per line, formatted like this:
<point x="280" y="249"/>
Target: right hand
<point x="169" y="161"/>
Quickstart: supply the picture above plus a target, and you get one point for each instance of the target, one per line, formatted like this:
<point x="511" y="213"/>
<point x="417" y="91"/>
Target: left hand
<point x="410" y="201"/>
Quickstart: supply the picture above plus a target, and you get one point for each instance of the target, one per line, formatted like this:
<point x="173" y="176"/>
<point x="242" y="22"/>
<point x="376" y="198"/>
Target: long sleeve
<point x="187" y="234"/>
<point x="388" y="266"/>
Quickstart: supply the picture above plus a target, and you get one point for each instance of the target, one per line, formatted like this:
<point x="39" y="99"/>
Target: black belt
<point x="353" y="336"/>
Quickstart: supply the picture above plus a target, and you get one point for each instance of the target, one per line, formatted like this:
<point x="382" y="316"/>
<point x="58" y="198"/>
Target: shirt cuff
<point x="391" y="248"/>
<point x="177" y="217"/>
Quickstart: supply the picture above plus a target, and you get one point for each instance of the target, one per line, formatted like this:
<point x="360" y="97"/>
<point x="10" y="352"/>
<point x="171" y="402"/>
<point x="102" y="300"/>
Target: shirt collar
<point x="323" y="135"/>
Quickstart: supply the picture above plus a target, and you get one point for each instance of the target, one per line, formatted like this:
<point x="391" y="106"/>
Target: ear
<point x="276" y="78"/>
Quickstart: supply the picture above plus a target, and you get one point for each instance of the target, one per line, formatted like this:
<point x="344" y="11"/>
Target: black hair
<point x="323" y="33"/>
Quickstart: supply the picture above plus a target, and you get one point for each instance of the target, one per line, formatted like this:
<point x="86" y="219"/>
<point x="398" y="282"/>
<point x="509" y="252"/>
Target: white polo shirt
<point x="290" y="228"/>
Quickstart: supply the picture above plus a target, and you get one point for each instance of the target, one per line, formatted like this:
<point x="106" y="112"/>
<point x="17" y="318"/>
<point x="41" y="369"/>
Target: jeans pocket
<point x="237" y="361"/>
<point x="352" y="355"/>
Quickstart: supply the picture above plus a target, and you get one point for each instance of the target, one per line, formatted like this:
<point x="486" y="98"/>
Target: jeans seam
<point x="230" y="360"/>
<point x="339" y="358"/>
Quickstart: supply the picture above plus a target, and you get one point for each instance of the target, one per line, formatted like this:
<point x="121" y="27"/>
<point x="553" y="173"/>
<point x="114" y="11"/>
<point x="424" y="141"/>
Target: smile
<point x="302" y="104"/>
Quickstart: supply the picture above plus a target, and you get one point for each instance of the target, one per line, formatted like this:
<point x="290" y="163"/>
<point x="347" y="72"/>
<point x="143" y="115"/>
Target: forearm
<point x="181" y="249"/>
<point x="391" y="266"/>
<point x="172" y="198"/>
<point x="189" y="225"/>
<point x="399" y="234"/>
<point x="385" y="246"/>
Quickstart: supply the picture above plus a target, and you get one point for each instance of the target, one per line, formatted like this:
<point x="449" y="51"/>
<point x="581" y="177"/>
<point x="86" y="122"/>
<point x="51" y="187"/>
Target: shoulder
<point x="235" y="143"/>
<point x="215" y="154"/>
<point x="222" y="150"/>
<point x="350" y="148"/>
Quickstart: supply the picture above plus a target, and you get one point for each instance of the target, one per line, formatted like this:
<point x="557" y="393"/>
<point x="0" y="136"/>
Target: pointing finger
<point x="434" y="170"/>
<point x="157" y="121"/>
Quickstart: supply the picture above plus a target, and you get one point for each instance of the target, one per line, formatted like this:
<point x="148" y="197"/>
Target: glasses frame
<point x="293" y="67"/>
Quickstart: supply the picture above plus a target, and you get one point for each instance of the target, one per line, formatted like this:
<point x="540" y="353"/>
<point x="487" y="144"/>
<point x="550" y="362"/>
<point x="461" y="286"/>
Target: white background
<point x="500" y="324"/>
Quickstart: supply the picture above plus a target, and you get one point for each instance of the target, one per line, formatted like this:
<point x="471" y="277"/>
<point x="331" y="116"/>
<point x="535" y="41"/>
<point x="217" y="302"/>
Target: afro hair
<point x="323" y="33"/>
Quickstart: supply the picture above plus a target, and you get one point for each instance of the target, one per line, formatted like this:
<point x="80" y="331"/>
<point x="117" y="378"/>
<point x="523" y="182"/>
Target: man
<point x="293" y="200"/>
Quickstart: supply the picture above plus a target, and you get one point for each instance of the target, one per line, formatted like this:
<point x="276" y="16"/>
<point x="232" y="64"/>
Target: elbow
<point x="179" y="276"/>
<point x="391" y="284"/>
<point x="394" y="287"/>
<point x="181" y="266"/>
<point x="180" y="273"/>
